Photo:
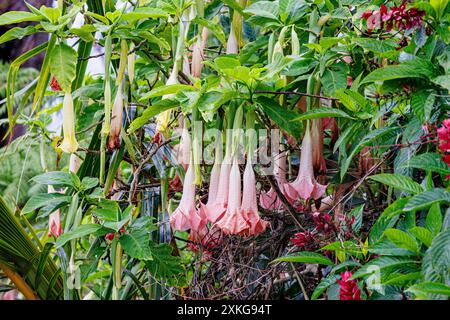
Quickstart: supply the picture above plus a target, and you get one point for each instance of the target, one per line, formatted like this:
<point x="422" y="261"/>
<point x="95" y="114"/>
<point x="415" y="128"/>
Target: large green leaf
<point x="136" y="244"/>
<point x="433" y="221"/>
<point x="427" y="198"/>
<point x="11" y="17"/>
<point x="306" y="257"/>
<point x="323" y="285"/>
<point x="166" y="90"/>
<point x="401" y="239"/>
<point x="398" y="181"/>
<point x="17" y="33"/>
<point x="79" y="232"/>
<point x="281" y="116"/>
<point x="317" y="113"/>
<point x="428" y="287"/>
<point x="55" y="178"/>
<point x="150" y="112"/>
<point x="382" y="264"/>
<point x="63" y="65"/>
<point x="144" y="13"/>
<point x="428" y="162"/>
<point x="440" y="252"/>
<point x="422" y="234"/>
<point x="45" y="199"/>
<point x="165" y="266"/>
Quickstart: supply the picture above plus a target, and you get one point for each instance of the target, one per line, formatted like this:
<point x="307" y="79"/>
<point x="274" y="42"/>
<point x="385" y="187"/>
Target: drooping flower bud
<point x="116" y="121"/>
<point x="69" y="143"/>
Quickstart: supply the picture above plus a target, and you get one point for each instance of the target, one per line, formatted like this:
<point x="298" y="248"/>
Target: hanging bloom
<point x="54" y="224"/>
<point x="249" y="205"/>
<point x="348" y="288"/>
<point x="215" y="209"/>
<point x="163" y="119"/>
<point x="181" y="217"/>
<point x="269" y="200"/>
<point x="232" y="43"/>
<point x="74" y="163"/>
<point x="116" y="122"/>
<point x="317" y="145"/>
<point x="305" y="185"/>
<point x="197" y="54"/>
<point x="233" y="222"/>
<point x="69" y="143"/>
<point x="183" y="150"/>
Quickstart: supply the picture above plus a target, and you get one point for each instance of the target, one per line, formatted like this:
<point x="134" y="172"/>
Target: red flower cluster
<point x="348" y="288"/>
<point x="323" y="221"/>
<point x="444" y="139"/>
<point x="54" y="84"/>
<point x="302" y="239"/>
<point x="398" y="17"/>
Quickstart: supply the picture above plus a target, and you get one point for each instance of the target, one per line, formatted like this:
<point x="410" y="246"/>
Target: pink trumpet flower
<point x="116" y="122"/>
<point x="234" y="222"/>
<point x="317" y="145"/>
<point x="269" y="200"/>
<point x="217" y="204"/>
<point x="249" y="205"/>
<point x="305" y="185"/>
<point x="197" y="54"/>
<point x="184" y="148"/>
<point x="185" y="214"/>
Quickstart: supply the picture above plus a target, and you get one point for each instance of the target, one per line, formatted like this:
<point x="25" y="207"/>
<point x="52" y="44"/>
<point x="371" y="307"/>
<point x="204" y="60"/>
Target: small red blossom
<point x="54" y="84"/>
<point x="323" y="221"/>
<point x="302" y="239"/>
<point x="443" y="134"/>
<point x="348" y="288"/>
<point x="109" y="236"/>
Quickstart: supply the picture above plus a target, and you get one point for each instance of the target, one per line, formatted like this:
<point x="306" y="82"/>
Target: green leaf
<point x="334" y="80"/>
<point x="422" y="234"/>
<point x="429" y="287"/>
<point x="45" y="199"/>
<point x="398" y="181"/>
<point x="165" y="266"/>
<point x="440" y="252"/>
<point x="306" y="257"/>
<point x="152" y="111"/>
<point x="399" y="279"/>
<point x="387" y="219"/>
<point x="144" y="13"/>
<point x="136" y="244"/>
<point x="53" y="178"/>
<point x="433" y="221"/>
<point x="428" y="162"/>
<point x="323" y="285"/>
<point x="166" y="90"/>
<point x="401" y="239"/>
<point x="215" y="28"/>
<point x="78" y="232"/>
<point x="416" y="68"/>
<point x="443" y="81"/>
<point x="383" y="264"/>
<point x="376" y="45"/>
<point x="63" y="65"/>
<point x="283" y="117"/>
<point x="85" y="32"/>
<point x="366" y="140"/>
<point x="11" y="17"/>
<point x="317" y="113"/>
<point x="427" y="198"/>
<point x="43" y="259"/>
<point x="17" y="33"/>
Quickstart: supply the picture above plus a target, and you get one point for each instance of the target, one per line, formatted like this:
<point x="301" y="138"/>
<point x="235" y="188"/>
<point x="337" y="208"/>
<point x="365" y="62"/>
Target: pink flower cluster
<point x="348" y="288"/>
<point x="444" y="139"/>
<point x="396" y="16"/>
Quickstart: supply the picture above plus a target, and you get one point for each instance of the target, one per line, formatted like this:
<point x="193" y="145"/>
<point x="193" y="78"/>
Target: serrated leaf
<point x="63" y="65"/>
<point x="136" y="244"/>
<point x="401" y="239"/>
<point x="306" y="257"/>
<point x="398" y="181"/>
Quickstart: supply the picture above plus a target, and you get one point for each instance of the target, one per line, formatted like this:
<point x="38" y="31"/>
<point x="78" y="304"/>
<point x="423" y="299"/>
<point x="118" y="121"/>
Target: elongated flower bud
<point x="163" y="119"/>
<point x="130" y="64"/>
<point x="295" y="43"/>
<point x="116" y="121"/>
<point x="69" y="144"/>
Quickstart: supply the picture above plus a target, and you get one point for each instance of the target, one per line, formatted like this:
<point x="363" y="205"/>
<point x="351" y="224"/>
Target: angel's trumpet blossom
<point x="233" y="222"/>
<point x="184" y="148"/>
<point x="269" y="200"/>
<point x="249" y="205"/>
<point x="163" y="119"/>
<point x="305" y="185"/>
<point x="317" y="135"/>
<point x="197" y="54"/>
<point x="181" y="217"/>
<point x="69" y="143"/>
<point x="215" y="209"/>
<point x="74" y="163"/>
<point x="116" y="122"/>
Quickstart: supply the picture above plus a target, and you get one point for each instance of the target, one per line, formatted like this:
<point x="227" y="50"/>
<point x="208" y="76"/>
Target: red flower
<point x="348" y="288"/>
<point x="302" y="239"/>
<point x="55" y="85"/>
<point x="109" y="236"/>
<point x="443" y="134"/>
